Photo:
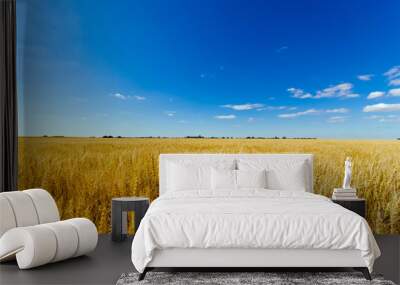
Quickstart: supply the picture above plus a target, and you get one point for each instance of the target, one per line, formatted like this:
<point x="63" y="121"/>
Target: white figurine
<point x="347" y="173"/>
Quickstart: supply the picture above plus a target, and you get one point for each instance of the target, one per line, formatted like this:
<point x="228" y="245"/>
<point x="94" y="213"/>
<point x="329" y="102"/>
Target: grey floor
<point x="110" y="260"/>
<point x="103" y="266"/>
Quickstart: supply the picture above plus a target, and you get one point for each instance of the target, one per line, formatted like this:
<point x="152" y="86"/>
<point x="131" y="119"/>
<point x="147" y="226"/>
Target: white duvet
<point x="250" y="219"/>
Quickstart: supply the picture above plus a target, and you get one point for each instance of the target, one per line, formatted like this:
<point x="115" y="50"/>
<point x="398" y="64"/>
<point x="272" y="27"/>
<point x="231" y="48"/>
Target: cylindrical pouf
<point x="52" y="242"/>
<point x="23" y="208"/>
<point x="46" y="207"/>
<point x="26" y="208"/>
<point x="87" y="235"/>
<point x="33" y="246"/>
<point x="67" y="240"/>
<point x="7" y="218"/>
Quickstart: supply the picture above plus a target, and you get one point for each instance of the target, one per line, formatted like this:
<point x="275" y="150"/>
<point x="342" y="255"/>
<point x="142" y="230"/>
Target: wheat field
<point x="83" y="174"/>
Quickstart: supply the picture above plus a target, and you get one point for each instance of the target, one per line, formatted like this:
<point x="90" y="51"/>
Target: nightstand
<point x="356" y="205"/>
<point x="119" y="210"/>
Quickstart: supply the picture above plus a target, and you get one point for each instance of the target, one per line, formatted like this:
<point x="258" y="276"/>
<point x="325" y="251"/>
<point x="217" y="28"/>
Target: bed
<point x="247" y="210"/>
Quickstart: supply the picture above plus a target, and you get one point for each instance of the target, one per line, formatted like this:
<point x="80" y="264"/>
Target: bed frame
<point x="242" y="259"/>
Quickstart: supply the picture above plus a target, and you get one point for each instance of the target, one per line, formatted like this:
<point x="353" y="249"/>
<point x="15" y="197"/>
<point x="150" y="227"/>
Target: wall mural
<point x="104" y="89"/>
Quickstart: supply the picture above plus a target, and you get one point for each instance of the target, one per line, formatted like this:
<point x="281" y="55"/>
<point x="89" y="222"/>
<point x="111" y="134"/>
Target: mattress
<point x="250" y="219"/>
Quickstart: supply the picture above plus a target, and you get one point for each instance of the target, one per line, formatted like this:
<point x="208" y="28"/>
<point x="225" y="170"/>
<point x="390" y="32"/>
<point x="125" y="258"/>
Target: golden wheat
<point x="83" y="174"/>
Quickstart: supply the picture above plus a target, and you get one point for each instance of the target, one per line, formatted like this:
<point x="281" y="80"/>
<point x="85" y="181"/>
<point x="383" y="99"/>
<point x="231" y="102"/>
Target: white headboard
<point x="164" y="158"/>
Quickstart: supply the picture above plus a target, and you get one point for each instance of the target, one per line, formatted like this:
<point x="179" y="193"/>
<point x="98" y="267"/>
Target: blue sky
<point x="328" y="69"/>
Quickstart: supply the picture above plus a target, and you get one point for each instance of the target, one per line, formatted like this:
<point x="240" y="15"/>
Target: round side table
<point x="119" y="214"/>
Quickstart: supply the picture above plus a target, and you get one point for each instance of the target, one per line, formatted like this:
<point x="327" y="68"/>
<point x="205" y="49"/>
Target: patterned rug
<point x="269" y="278"/>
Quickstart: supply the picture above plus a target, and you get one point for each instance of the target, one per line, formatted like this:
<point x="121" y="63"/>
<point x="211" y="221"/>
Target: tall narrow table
<point x="119" y="214"/>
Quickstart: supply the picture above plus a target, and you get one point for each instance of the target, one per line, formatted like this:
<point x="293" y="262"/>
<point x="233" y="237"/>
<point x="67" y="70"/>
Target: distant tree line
<point x="250" y="137"/>
<point x="46" y="136"/>
<point x="199" y="137"/>
<point x="111" y="137"/>
<point x="194" y="137"/>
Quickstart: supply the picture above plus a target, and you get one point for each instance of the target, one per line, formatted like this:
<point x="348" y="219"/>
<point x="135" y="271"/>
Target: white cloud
<point x="208" y="75"/>
<point x="389" y="119"/>
<point x="394" y="82"/>
<point x="281" y="49"/>
<point x="336" y="119"/>
<point x="374" y="117"/>
<point x="243" y="107"/>
<point x="299" y="93"/>
<point x="126" y="97"/>
<point x="365" y="77"/>
<point x="375" y="94"/>
<point x="314" y="111"/>
<point x="394" y="92"/>
<point x="392" y="73"/>
<point x="170" y="113"/>
<point x="225" y="117"/>
<point x="385" y="119"/>
<point x="274" y="108"/>
<point x="342" y="90"/>
<point x="339" y="110"/>
<point x="119" y="96"/>
<point x="382" y="107"/>
<point x="298" y="114"/>
<point x="257" y="107"/>
<point x="250" y="119"/>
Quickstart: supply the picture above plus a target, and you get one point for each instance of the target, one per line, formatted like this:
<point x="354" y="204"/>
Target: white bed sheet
<point x="250" y="218"/>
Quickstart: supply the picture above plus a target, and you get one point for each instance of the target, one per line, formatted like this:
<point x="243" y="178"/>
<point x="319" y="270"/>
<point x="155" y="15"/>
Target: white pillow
<point x="187" y="177"/>
<point x="223" y="179"/>
<point x="282" y="174"/>
<point x="251" y="178"/>
<point x="193" y="174"/>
